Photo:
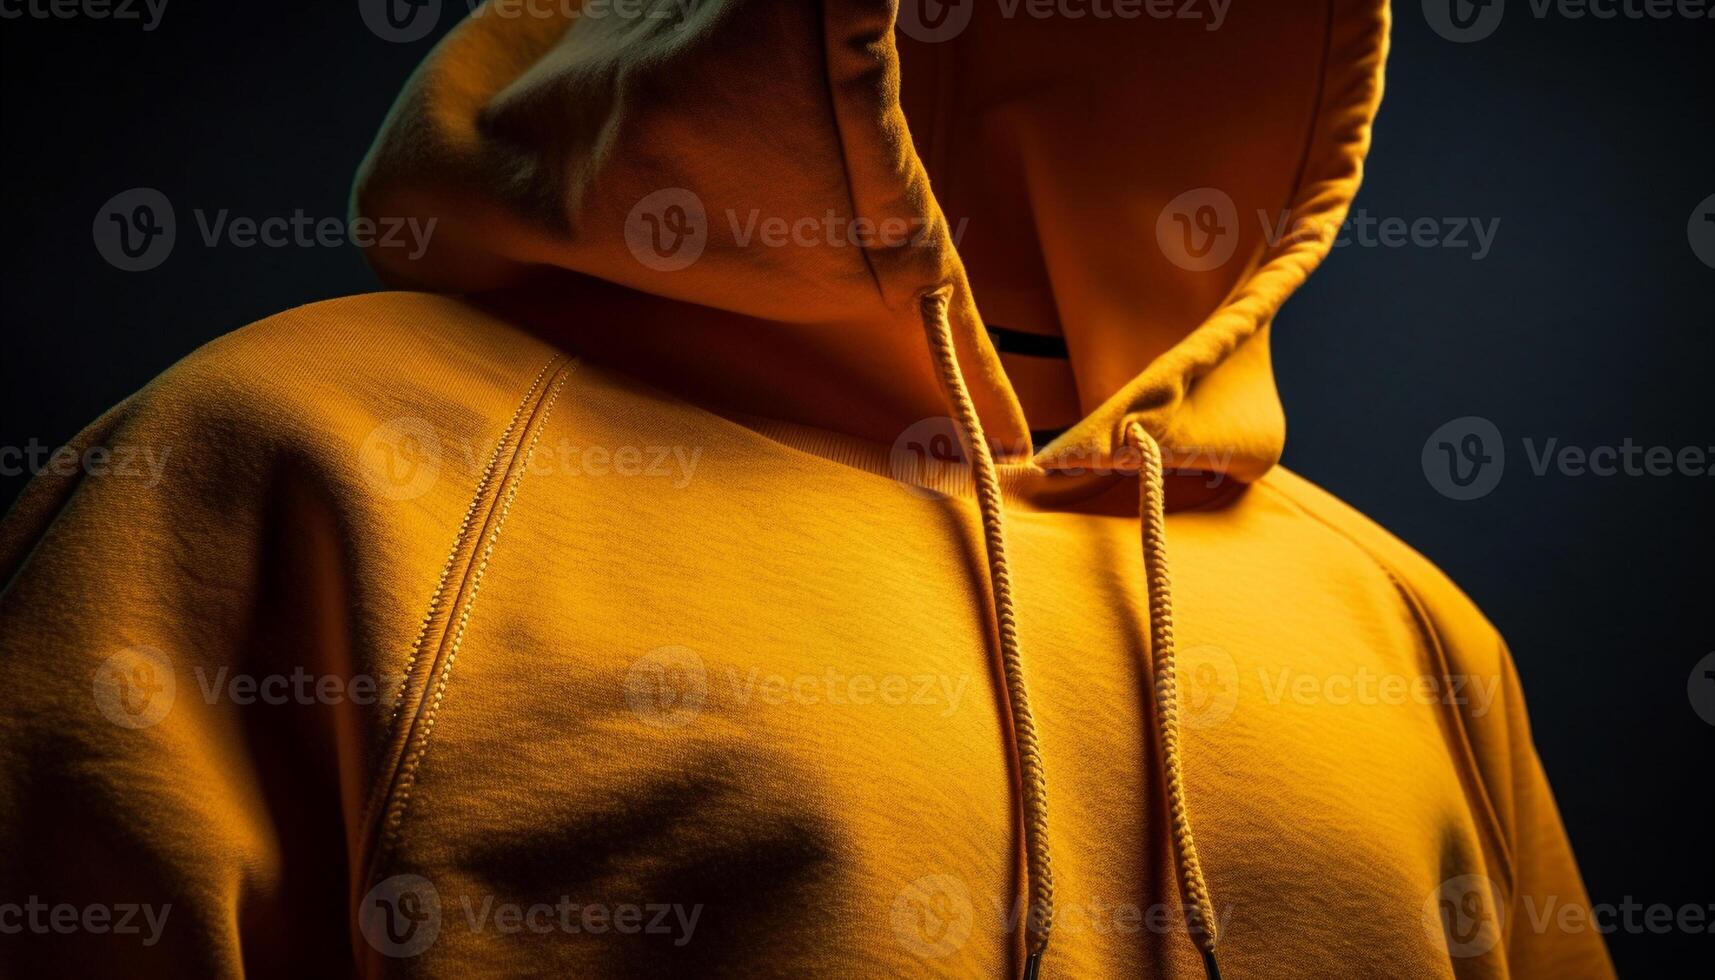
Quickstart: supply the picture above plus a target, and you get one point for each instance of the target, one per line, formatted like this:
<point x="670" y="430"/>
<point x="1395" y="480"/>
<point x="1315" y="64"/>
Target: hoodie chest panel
<point x="764" y="702"/>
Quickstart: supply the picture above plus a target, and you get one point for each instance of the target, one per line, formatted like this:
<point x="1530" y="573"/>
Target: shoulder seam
<point x="1465" y="755"/>
<point x="428" y="668"/>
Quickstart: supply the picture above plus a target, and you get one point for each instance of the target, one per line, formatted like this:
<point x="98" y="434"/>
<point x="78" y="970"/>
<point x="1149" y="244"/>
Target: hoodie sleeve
<point x="207" y="604"/>
<point x="151" y="812"/>
<point x="1545" y="924"/>
<point x="1546" y="927"/>
<point x="1549" y="928"/>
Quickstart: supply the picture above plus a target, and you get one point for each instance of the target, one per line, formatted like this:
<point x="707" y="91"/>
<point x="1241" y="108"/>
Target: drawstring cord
<point x="1040" y="878"/>
<point x="1199" y="907"/>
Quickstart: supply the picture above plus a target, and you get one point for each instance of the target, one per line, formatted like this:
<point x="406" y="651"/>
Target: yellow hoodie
<point x="772" y="566"/>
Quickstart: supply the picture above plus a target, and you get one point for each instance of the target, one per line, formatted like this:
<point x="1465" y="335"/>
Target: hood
<point x="746" y="201"/>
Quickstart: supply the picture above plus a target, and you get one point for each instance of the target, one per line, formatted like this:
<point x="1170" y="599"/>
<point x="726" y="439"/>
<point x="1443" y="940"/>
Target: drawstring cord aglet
<point x="1033" y="965"/>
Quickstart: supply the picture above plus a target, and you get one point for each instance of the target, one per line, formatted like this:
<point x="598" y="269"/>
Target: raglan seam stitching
<point x="503" y="507"/>
<point x="1431" y="637"/>
<point x="393" y="790"/>
<point x="384" y="788"/>
<point x="459" y="539"/>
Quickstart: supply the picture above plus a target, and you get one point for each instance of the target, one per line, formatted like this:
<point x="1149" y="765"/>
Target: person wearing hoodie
<point x="769" y="539"/>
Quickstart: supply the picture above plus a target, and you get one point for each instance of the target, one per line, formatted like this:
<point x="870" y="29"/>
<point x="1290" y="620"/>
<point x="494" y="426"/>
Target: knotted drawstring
<point x="1199" y="908"/>
<point x="1039" y="876"/>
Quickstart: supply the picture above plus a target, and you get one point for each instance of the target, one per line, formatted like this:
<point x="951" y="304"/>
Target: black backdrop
<point x="1588" y="320"/>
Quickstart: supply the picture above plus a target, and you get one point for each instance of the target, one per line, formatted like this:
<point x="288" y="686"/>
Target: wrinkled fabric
<point x="570" y="613"/>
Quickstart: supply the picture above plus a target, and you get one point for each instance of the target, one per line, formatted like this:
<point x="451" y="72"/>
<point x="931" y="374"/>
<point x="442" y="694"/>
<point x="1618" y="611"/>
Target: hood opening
<point x="744" y="202"/>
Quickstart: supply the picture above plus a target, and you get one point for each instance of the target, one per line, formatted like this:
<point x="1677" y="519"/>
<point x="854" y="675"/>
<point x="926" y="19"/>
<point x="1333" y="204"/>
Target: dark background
<point x="1590" y="321"/>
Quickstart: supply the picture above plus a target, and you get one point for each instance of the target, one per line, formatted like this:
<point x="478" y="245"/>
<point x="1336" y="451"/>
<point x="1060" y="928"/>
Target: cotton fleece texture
<point x="763" y="538"/>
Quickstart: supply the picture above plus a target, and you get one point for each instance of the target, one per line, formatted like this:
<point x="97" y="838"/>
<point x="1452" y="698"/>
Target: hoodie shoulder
<point x="1452" y="614"/>
<point x="389" y="403"/>
<point x="391" y="345"/>
<point x="1460" y="644"/>
<point x="336" y="382"/>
